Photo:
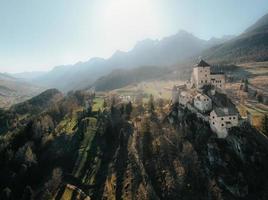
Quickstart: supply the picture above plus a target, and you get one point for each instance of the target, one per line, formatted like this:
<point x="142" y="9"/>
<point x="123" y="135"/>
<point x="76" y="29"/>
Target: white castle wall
<point x="220" y="124"/>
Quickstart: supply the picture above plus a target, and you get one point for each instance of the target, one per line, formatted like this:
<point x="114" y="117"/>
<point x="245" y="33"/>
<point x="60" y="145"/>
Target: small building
<point x="125" y="98"/>
<point x="185" y="98"/>
<point x="221" y="119"/>
<point x="203" y="103"/>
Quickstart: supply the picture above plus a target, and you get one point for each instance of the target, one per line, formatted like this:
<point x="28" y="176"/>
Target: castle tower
<point x="201" y="74"/>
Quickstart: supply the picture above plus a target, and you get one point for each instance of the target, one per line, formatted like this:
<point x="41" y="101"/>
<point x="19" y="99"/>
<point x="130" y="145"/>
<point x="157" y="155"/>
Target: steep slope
<point x="163" y="52"/>
<point x="252" y="45"/>
<point x="69" y="151"/>
<point x="35" y="145"/>
<point x="38" y="103"/>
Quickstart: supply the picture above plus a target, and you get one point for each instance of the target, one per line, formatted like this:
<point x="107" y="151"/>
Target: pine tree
<point x="151" y="104"/>
<point x="104" y="104"/>
<point x="265" y="125"/>
<point x="122" y="109"/>
<point x="28" y="193"/>
<point x="245" y="85"/>
<point x="129" y="108"/>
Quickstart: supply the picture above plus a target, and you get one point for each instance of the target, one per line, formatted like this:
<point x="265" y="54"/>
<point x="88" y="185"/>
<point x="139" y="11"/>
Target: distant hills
<point x="178" y="50"/>
<point x="163" y="52"/>
<point x="122" y="77"/>
<point x="38" y="103"/>
<point x="29" y="75"/>
<point x="13" y="90"/>
<point x="252" y="45"/>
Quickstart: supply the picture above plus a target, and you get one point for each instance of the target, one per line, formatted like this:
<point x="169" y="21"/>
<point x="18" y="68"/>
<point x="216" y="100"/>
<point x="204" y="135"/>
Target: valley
<point x="13" y="90"/>
<point x="178" y="117"/>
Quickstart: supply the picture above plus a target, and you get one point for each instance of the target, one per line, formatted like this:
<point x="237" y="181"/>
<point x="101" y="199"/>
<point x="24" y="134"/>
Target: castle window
<point x="201" y="81"/>
<point x="205" y="81"/>
<point x="222" y="124"/>
<point x="233" y="117"/>
<point x="230" y="117"/>
<point x="213" y="122"/>
<point x="222" y="118"/>
<point x="213" y="117"/>
<point x="220" y="85"/>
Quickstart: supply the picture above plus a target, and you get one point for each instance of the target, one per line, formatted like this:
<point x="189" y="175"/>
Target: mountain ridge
<point x="164" y="52"/>
<point x="251" y="45"/>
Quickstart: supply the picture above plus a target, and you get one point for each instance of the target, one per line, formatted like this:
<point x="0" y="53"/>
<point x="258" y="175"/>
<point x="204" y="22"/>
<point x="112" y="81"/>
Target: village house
<point x="125" y="98"/>
<point x="221" y="119"/>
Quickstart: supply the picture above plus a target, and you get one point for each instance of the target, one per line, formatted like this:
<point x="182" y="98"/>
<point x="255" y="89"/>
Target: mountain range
<point x="183" y="47"/>
<point x="252" y="45"/>
<point x="163" y="52"/>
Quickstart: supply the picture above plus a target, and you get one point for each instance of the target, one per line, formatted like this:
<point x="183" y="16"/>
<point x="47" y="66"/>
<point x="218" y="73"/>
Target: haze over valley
<point x="106" y="99"/>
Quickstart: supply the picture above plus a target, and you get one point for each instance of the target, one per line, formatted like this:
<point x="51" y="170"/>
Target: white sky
<point x="38" y="35"/>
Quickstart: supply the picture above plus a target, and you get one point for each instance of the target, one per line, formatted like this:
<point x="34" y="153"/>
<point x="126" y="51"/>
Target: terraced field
<point x="90" y="127"/>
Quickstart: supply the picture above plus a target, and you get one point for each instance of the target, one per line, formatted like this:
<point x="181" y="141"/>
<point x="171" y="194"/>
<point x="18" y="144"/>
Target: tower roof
<point x="202" y="63"/>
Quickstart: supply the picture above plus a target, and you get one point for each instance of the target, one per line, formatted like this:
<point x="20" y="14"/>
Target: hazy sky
<point x="39" y="34"/>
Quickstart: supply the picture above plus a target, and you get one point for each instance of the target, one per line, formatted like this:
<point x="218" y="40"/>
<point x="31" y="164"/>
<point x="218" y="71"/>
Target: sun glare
<point x="131" y="19"/>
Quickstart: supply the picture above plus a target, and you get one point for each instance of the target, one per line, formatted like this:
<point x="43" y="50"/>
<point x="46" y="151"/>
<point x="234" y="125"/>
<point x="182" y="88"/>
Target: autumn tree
<point x="26" y="155"/>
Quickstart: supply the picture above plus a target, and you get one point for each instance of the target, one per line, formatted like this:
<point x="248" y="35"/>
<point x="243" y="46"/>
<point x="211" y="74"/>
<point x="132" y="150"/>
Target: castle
<point x="204" y="94"/>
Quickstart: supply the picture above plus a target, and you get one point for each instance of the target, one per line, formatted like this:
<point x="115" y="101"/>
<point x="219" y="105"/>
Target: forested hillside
<point x="83" y="146"/>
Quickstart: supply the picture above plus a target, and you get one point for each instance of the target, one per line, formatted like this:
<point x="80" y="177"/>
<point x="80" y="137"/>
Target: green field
<point x="97" y="104"/>
<point x="159" y="89"/>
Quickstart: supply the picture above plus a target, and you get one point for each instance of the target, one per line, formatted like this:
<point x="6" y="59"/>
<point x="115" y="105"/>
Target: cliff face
<point x="177" y="157"/>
